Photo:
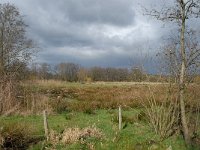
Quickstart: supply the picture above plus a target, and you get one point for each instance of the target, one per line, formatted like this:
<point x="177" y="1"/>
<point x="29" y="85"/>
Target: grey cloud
<point x="67" y="22"/>
<point x="114" y="31"/>
<point x="114" y="12"/>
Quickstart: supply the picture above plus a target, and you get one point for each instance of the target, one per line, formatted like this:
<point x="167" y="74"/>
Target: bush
<point x="17" y="136"/>
<point x="59" y="105"/>
<point x="162" y="116"/>
<point x="73" y="135"/>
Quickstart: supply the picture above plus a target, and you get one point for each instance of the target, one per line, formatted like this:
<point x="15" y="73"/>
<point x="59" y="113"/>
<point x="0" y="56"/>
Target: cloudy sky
<point x="93" y="32"/>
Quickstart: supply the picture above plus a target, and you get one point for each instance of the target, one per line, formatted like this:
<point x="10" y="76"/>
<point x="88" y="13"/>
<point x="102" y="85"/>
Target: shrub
<point x="162" y="116"/>
<point x="17" y="136"/>
<point x="59" y="105"/>
<point x="73" y="135"/>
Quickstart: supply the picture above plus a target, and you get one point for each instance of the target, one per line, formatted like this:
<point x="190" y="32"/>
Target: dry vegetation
<point x="72" y="135"/>
<point x="17" y="136"/>
<point x="155" y="102"/>
<point x="81" y="97"/>
<point x="7" y="94"/>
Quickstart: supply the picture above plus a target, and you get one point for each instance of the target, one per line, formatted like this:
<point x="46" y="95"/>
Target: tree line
<point x="72" y="72"/>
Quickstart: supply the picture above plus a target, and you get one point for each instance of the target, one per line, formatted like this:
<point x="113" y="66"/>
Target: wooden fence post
<point x="120" y="118"/>
<point x="33" y="104"/>
<point x="46" y="130"/>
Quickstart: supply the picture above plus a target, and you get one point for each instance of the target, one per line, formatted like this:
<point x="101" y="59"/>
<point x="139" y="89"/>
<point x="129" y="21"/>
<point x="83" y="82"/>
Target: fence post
<point x="46" y="130"/>
<point x="33" y="104"/>
<point x="120" y="118"/>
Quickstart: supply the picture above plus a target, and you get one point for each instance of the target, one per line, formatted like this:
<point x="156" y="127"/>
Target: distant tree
<point x="68" y="71"/>
<point x="116" y="74"/>
<point x="137" y="74"/>
<point x="98" y="74"/>
<point x="109" y="74"/>
<point x="123" y="74"/>
<point x="44" y="71"/>
<point x="34" y="71"/>
<point x="82" y="75"/>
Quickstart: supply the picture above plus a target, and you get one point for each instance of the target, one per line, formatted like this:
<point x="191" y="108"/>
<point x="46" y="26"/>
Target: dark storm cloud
<point x="81" y="21"/>
<point x="112" y="12"/>
<point x="92" y="32"/>
<point x="75" y="22"/>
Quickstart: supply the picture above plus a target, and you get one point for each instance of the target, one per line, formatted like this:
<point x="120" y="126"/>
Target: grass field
<point x="76" y="105"/>
<point x="136" y="134"/>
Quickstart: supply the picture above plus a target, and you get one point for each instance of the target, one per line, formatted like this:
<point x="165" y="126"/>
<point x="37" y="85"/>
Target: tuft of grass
<point x="89" y="111"/>
<point x="163" y="116"/>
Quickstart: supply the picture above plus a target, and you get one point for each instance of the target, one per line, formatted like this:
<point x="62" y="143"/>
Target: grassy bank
<point x="136" y="134"/>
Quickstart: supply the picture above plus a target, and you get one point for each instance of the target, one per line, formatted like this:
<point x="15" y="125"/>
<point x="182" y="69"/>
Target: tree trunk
<point x="182" y="80"/>
<point x="2" y="49"/>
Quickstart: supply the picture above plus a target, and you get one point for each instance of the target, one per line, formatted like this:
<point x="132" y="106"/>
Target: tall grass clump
<point x="163" y="115"/>
<point x="8" y="93"/>
<point x="193" y="119"/>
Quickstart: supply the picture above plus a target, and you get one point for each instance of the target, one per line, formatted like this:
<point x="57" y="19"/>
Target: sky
<point x="107" y="33"/>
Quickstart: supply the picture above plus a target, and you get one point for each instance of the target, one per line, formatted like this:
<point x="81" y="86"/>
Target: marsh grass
<point x="8" y="92"/>
<point x="78" y="105"/>
<point x="163" y="116"/>
<point x="88" y="97"/>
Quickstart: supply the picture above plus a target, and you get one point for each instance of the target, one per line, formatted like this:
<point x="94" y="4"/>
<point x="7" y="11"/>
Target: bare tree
<point x="180" y="12"/>
<point x="14" y="45"/>
<point x="68" y="71"/>
<point x="44" y="71"/>
<point x="15" y="52"/>
<point x="109" y="74"/>
<point x="171" y="57"/>
<point x="97" y="74"/>
<point x="82" y="74"/>
<point x="137" y="74"/>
